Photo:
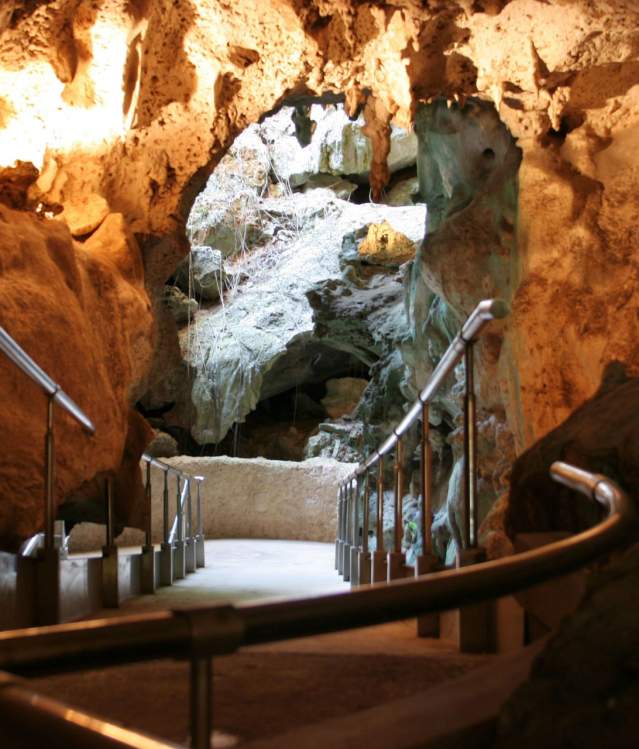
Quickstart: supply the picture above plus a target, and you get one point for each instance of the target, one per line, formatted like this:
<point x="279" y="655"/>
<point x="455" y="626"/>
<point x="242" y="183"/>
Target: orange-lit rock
<point x="81" y="311"/>
<point x="136" y="102"/>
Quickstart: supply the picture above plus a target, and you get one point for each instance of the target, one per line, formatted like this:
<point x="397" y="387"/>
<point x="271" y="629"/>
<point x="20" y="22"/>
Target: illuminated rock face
<point x="128" y="105"/>
<point x="82" y="313"/>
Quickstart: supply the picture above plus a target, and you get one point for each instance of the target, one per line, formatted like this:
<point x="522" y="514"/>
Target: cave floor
<point x="265" y="691"/>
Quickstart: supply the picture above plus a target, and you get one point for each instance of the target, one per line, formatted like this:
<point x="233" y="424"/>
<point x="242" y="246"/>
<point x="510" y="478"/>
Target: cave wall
<point x="125" y="106"/>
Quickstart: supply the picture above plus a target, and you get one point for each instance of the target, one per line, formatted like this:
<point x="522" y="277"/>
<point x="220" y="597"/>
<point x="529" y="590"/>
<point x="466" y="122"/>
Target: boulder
<point x="84" y="215"/>
<point x="201" y="273"/>
<point x="342" y="395"/>
<point x="181" y="307"/>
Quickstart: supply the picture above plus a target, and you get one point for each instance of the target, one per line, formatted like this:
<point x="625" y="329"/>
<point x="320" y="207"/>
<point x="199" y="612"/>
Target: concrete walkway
<point x="247" y="570"/>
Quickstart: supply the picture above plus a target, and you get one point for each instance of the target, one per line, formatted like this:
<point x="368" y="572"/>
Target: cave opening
<point x="289" y="306"/>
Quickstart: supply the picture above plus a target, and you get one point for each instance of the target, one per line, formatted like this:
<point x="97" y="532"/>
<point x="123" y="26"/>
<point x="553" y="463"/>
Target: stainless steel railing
<point x="48" y="558"/>
<point x="55" y="394"/>
<point x="201" y="634"/>
<point x="353" y="559"/>
<point x="182" y="547"/>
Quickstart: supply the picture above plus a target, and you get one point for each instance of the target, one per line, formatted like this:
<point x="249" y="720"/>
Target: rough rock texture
<point x="267" y="336"/>
<point x="81" y="311"/>
<point x="336" y="146"/>
<point x="600" y="436"/>
<point x="136" y="102"/>
<point x="584" y="687"/>
<point x="264" y="498"/>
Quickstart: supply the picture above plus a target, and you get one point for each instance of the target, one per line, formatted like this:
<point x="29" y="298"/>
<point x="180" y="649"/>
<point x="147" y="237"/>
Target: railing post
<point x="396" y="557"/>
<point x="189" y="544"/>
<point x="200" y="555"/>
<point x="427" y="624"/>
<point x="378" y="560"/>
<point x="471" y="514"/>
<point x="110" y="561"/>
<point x="148" y="550"/>
<point x="166" y="548"/>
<point x="364" y="557"/>
<point x="346" y="549"/>
<point x="474" y="622"/>
<point x="201" y="702"/>
<point x="48" y="565"/>
<point x="179" y="557"/>
<point x="355" y="547"/>
<point x="342" y="529"/>
<point x="338" y="530"/>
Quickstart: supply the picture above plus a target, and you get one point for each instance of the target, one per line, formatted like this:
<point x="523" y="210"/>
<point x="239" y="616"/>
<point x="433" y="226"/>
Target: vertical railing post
<point x="338" y="529"/>
<point x="148" y="550"/>
<point x="427" y="624"/>
<point x="201" y="702"/>
<point x="470" y="451"/>
<point x="475" y="624"/>
<point x="355" y="544"/>
<point x="179" y="557"/>
<point x="166" y="548"/>
<point x="49" y="477"/>
<point x="110" y="561"/>
<point x="342" y="530"/>
<point x="189" y="543"/>
<point x="378" y="561"/>
<point x="48" y="565"/>
<point x="200" y="554"/>
<point x="364" y="557"/>
<point x="395" y="557"/>
<point x="426" y="562"/>
<point x="346" y="569"/>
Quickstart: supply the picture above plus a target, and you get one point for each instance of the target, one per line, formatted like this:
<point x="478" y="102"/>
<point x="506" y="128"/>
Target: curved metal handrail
<point x="203" y="633"/>
<point x="163" y="633"/>
<point x="353" y="559"/>
<point x="484" y="312"/>
<point x="23" y="361"/>
<point x="168" y="468"/>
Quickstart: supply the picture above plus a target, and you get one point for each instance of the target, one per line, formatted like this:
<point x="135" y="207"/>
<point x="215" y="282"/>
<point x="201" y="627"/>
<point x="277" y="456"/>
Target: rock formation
<point x="126" y="107"/>
<point x="81" y="311"/>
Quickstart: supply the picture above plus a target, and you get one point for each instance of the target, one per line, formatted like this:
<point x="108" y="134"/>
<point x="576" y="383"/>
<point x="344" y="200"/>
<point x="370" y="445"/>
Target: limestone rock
<point x="342" y="188"/>
<point x="385" y="246"/>
<point x="162" y="445"/>
<point x="181" y="307"/>
<point x="342" y="395"/>
<point x="224" y="215"/>
<point x="202" y="273"/>
<point x="600" y="437"/>
<point x="338" y="147"/>
<point x="264" y="339"/>
<point x="262" y="498"/>
<point x="405" y="192"/>
<point x="91" y="301"/>
<point x="84" y="214"/>
<point x="583" y="686"/>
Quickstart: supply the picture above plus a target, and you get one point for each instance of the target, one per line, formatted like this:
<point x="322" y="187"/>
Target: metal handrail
<point x="166" y="467"/>
<point x="34" y="715"/>
<point x="23" y="361"/>
<point x="180" y="552"/>
<point x="484" y="312"/>
<point x="357" y="563"/>
<point x="204" y="633"/>
<point x="48" y="585"/>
